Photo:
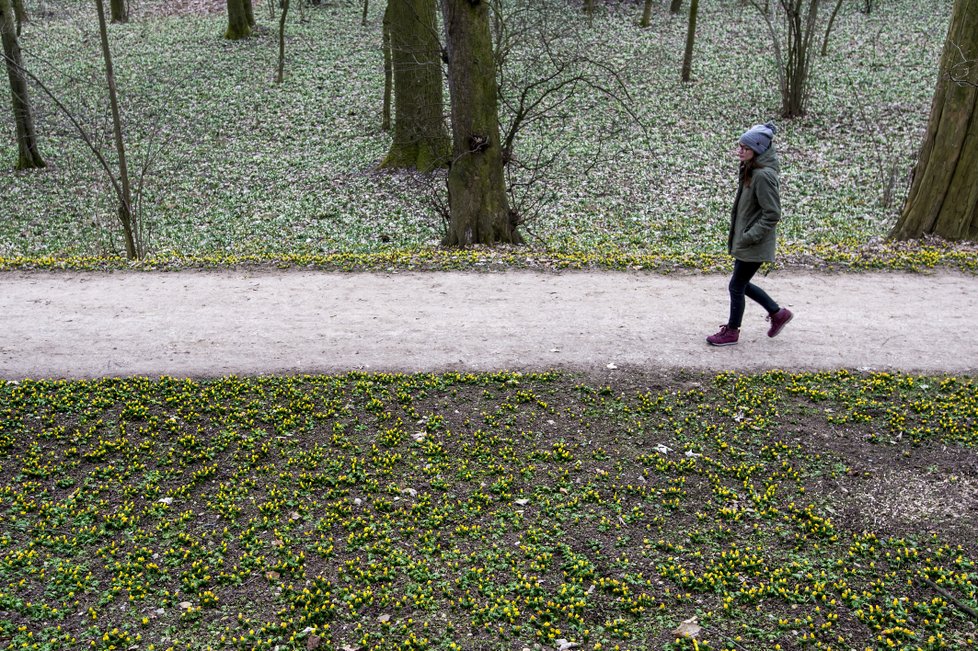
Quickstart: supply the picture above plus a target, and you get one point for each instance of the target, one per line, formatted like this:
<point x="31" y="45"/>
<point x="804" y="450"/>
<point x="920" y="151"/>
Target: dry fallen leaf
<point x="689" y="628"/>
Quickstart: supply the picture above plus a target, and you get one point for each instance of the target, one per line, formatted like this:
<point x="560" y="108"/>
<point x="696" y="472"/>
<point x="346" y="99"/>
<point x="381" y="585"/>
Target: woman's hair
<point x="747" y="169"/>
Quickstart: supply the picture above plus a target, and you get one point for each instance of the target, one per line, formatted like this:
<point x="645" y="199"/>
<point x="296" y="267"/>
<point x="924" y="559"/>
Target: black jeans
<point x="740" y="285"/>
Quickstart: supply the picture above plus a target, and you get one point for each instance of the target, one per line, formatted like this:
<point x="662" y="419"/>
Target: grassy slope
<point x="251" y="168"/>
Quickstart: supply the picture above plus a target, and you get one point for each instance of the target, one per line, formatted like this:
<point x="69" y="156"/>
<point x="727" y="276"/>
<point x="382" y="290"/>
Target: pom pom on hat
<point x="758" y="137"/>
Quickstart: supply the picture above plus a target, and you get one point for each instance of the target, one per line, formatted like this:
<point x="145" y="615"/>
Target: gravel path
<point x="209" y="323"/>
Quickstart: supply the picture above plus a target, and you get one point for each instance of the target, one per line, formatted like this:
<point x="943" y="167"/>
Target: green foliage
<point x="254" y="170"/>
<point x="484" y="511"/>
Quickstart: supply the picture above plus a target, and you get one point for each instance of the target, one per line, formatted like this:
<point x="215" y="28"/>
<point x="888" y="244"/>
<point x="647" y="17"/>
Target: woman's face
<point x="744" y="153"/>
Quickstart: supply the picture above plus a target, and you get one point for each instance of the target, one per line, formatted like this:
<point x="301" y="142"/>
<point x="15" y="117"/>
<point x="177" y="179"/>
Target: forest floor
<point x="260" y="321"/>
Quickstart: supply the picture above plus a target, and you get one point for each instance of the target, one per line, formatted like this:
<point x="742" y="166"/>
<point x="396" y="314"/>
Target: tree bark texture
<point x="476" y="186"/>
<point x="28" y="156"/>
<point x="646" y="14"/>
<point x="249" y="13"/>
<point x="675" y="6"/>
<point x="687" y="71"/>
<point x="420" y="138"/>
<point x="119" y="10"/>
<point x="238" y="25"/>
<point x="943" y="198"/>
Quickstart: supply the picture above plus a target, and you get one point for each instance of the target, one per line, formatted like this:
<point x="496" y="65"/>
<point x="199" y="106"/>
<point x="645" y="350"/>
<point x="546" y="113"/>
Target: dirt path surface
<point x="206" y="324"/>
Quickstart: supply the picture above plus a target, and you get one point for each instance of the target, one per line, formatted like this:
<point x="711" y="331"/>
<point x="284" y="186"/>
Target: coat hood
<point x="769" y="159"/>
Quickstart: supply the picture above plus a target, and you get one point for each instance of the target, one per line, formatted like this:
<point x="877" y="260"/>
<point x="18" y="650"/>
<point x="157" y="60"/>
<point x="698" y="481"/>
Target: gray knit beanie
<point x="758" y="137"/>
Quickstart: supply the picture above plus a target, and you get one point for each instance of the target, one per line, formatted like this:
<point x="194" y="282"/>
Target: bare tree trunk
<point x="28" y="156"/>
<point x="366" y="6"/>
<point x="388" y="73"/>
<point x="281" y="41"/>
<point x="646" y="14"/>
<point x="420" y="138"/>
<point x="675" y="6"/>
<point x="477" y="198"/>
<point x="794" y="52"/>
<point x="249" y="13"/>
<point x="238" y="26"/>
<point x="125" y="200"/>
<point x="828" y="30"/>
<point x="943" y="197"/>
<point x="690" y="40"/>
<point x="120" y="11"/>
<point x="21" y="13"/>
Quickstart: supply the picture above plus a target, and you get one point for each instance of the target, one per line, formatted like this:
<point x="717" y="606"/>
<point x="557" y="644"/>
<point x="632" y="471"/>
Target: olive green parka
<point x="756" y="212"/>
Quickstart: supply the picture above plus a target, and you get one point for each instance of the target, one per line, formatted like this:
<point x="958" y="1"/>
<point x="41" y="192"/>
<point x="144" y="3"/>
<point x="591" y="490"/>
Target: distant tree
<point x="943" y="198"/>
<point x="280" y="77"/>
<point x="241" y="19"/>
<point x="28" y="156"/>
<point x="690" y="40"/>
<point x="120" y="11"/>
<point x="478" y="205"/>
<point x="792" y="50"/>
<point x="366" y="7"/>
<point x="122" y="187"/>
<point x="420" y="138"/>
<point x="646" y="14"/>
<point x="676" y="6"/>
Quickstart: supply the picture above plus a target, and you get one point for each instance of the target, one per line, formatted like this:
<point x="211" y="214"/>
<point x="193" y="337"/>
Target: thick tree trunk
<point x="420" y="138"/>
<point x="238" y="25"/>
<point x="687" y="71"/>
<point x="675" y="6"/>
<point x="249" y="13"/>
<point x="476" y="187"/>
<point x="120" y="12"/>
<point x="28" y="156"/>
<point x="943" y="197"/>
<point x="646" y="14"/>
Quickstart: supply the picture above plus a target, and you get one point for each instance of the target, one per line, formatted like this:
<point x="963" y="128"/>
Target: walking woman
<point x="752" y="237"/>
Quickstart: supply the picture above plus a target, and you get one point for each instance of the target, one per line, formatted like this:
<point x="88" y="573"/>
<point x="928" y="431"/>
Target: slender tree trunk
<point x="420" y="138"/>
<point x="690" y="40"/>
<point x="388" y="73"/>
<point x="21" y="13"/>
<point x="28" y="156"/>
<point x="646" y="14"/>
<point x="476" y="186"/>
<point x="125" y="201"/>
<point x="281" y="41"/>
<point x="943" y="197"/>
<point x="366" y="6"/>
<point x="675" y="6"/>
<point x="238" y="26"/>
<point x="120" y="11"/>
<point x="828" y="30"/>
